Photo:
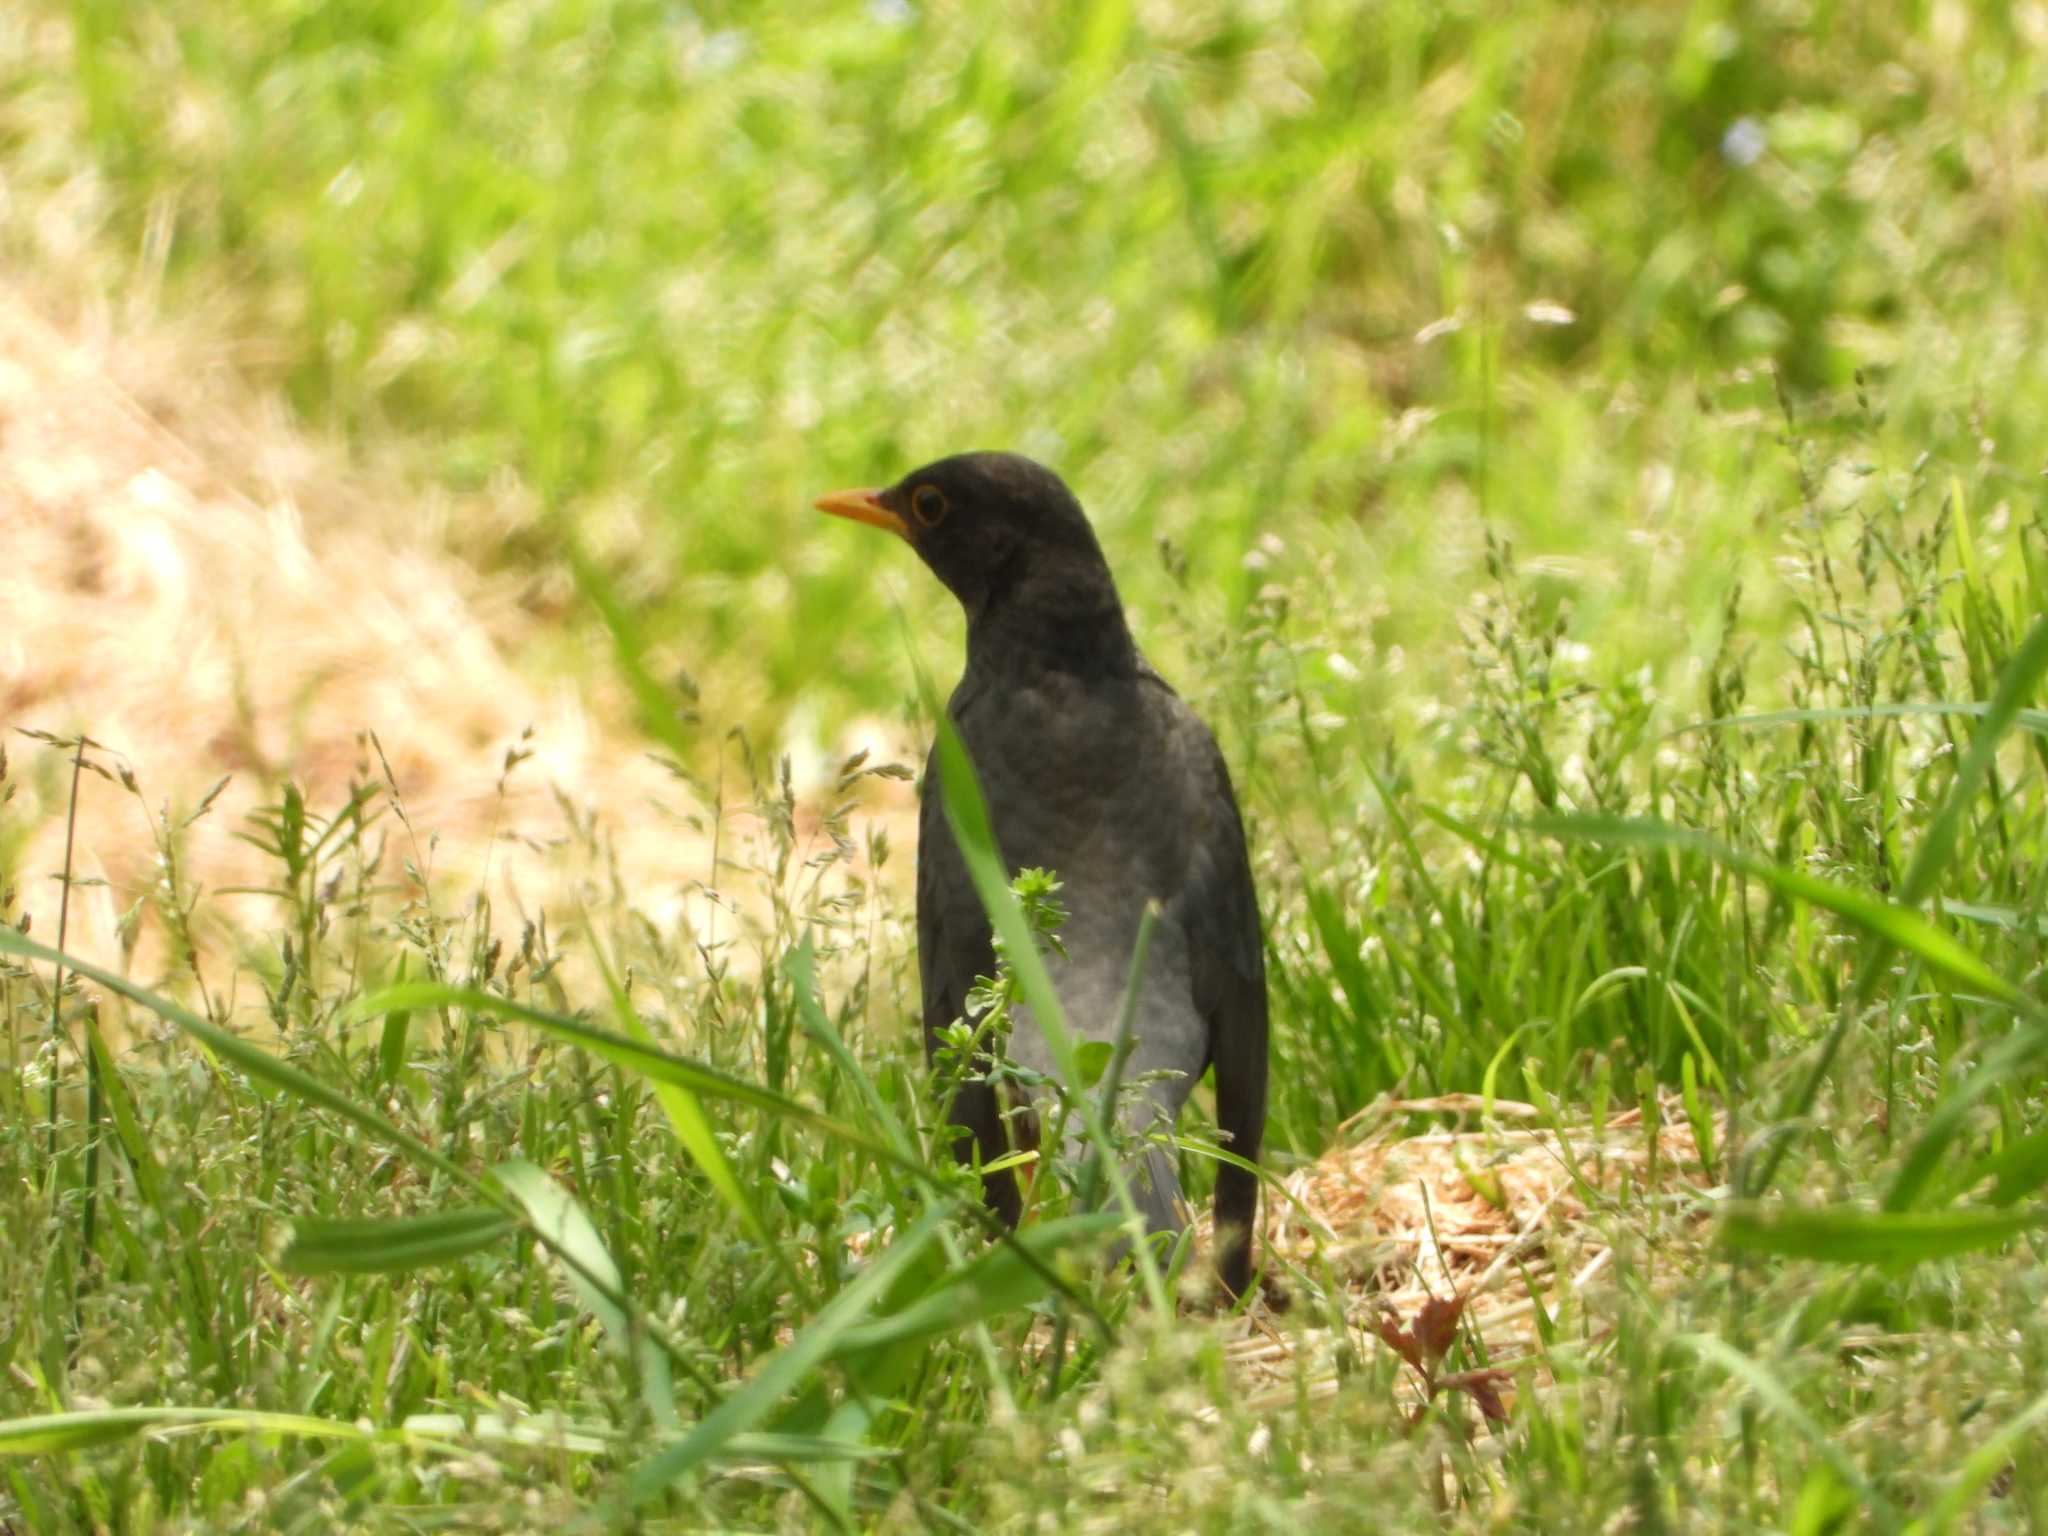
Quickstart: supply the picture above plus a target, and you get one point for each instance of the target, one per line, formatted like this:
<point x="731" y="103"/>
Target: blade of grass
<point x="799" y="965"/>
<point x="2016" y="684"/>
<point x="2009" y="918"/>
<point x="1887" y="922"/>
<point x="387" y="1247"/>
<point x="1842" y="1234"/>
<point x="1891" y="925"/>
<point x="640" y="1056"/>
<point x="252" y="1059"/>
<point x="693" y="1130"/>
<point x="1116" y="1053"/>
<point x="266" y="1068"/>
<point x="814" y="1343"/>
<point x="2017" y="1169"/>
<point x="1779" y="1400"/>
<point x="995" y="1283"/>
<point x="392" y="1039"/>
<point x="594" y="1276"/>
<point x="2021" y="1051"/>
<point x="658" y="1065"/>
<point x="883" y="1377"/>
<point x="1983" y="1464"/>
<point x="46" y="1433"/>
<point x="188" y="1266"/>
<point x="2035" y="720"/>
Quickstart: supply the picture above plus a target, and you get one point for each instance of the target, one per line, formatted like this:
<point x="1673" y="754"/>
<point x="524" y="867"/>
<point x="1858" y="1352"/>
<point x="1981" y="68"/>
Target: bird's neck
<point x="1064" y="616"/>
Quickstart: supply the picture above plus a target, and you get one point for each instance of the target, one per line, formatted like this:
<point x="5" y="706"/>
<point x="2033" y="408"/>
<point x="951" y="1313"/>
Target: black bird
<point x="1095" y="769"/>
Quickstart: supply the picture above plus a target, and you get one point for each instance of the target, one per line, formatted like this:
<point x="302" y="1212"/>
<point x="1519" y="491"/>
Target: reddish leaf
<point x="1397" y="1338"/>
<point x="1484" y="1387"/>
<point x="1436" y="1326"/>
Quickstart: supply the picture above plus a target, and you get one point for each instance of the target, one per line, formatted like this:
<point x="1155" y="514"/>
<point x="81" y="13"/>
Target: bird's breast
<point x="1080" y="779"/>
<point x="1089" y="781"/>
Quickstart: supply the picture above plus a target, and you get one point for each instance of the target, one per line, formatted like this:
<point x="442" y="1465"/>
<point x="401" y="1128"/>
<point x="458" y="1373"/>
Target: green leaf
<point x="52" y="1433"/>
<point x="1696" y="1112"/>
<point x="646" y="1060"/>
<point x="780" y="1373"/>
<point x="2019" y="1169"/>
<point x="967" y="816"/>
<point x="555" y="1212"/>
<point x="2022" y="1049"/>
<point x="391" y="1042"/>
<point x="592" y="1274"/>
<point x="996" y="1283"/>
<point x="692" y="1127"/>
<point x="46" y="1433"/>
<point x="390" y="1246"/>
<point x="659" y="1066"/>
<point x="663" y="712"/>
<point x="1994" y="1456"/>
<point x="186" y="1266"/>
<point x="1824" y="1505"/>
<point x="638" y="1056"/>
<point x="1093" y="1059"/>
<point x="2016" y="684"/>
<point x="798" y="1450"/>
<point x="264" y="1067"/>
<point x="2009" y="918"/>
<point x="539" y="1431"/>
<point x="1842" y="1234"/>
<point x="800" y="967"/>
<point x="2019" y="1052"/>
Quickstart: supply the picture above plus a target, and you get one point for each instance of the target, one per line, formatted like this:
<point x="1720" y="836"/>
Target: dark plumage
<point x="1094" y="768"/>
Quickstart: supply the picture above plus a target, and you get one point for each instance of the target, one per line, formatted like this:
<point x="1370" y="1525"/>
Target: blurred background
<point x="410" y="415"/>
<point x="439" y="370"/>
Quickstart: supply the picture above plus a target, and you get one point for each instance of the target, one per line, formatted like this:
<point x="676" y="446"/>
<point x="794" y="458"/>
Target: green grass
<point x="1479" y="611"/>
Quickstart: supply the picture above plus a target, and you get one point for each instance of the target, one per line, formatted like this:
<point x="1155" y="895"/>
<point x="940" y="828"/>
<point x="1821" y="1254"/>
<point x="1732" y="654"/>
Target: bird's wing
<point x="1219" y="912"/>
<point x="953" y="945"/>
<point x="1217" y="907"/>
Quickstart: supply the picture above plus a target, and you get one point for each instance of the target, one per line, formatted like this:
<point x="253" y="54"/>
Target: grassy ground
<point x="1475" y="402"/>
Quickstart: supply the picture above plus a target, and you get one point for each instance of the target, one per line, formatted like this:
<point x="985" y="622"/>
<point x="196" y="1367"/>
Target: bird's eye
<point x="928" y="506"/>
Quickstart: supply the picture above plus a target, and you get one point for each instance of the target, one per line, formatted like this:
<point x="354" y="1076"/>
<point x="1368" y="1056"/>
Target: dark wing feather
<point x="953" y="948"/>
<point x="1216" y="905"/>
<point x="953" y="945"/>
<point x="1219" y="912"/>
<point x="1219" y="907"/>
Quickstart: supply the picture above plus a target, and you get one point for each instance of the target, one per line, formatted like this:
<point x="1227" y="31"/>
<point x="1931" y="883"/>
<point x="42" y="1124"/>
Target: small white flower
<point x="1745" y="142"/>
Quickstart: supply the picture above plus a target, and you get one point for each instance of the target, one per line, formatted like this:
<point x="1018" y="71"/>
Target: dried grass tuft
<point x="206" y="589"/>
<point x="1495" y="1217"/>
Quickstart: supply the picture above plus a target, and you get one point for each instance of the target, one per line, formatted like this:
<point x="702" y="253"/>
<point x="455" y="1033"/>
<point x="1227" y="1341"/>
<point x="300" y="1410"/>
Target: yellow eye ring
<point x="928" y="506"/>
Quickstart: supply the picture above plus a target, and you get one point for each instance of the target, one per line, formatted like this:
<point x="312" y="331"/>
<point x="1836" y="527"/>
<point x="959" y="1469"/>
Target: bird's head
<point x="985" y="523"/>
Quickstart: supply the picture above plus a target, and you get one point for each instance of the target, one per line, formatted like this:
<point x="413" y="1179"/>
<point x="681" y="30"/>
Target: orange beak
<point x="864" y="507"/>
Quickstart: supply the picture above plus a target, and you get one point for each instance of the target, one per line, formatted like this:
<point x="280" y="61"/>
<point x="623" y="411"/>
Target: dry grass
<point x="1501" y="1217"/>
<point x="208" y="591"/>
